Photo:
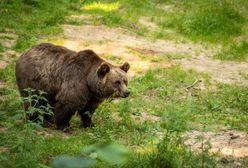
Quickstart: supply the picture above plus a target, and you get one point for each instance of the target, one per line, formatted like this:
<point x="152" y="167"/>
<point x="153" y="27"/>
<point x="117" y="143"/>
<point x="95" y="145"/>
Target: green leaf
<point x="111" y="153"/>
<point x="65" y="161"/>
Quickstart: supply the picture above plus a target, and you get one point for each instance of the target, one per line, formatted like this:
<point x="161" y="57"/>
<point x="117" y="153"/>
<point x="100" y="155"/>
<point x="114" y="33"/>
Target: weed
<point x="25" y="141"/>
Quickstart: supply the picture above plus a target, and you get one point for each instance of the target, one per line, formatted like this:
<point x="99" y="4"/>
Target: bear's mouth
<point x="122" y="94"/>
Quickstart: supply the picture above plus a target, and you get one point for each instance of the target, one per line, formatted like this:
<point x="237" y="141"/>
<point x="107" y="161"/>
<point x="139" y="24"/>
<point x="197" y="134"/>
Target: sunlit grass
<point x="57" y="41"/>
<point x="107" y="7"/>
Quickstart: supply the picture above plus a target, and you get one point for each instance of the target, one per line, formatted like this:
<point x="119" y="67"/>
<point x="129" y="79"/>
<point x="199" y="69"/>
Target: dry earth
<point x="227" y="142"/>
<point x="117" y="42"/>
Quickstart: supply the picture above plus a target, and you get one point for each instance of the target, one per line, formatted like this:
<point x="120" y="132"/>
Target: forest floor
<point x="178" y="85"/>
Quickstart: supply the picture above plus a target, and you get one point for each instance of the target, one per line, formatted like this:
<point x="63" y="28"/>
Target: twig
<point x="193" y="84"/>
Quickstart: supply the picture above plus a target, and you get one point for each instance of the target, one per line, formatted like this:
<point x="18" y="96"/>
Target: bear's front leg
<point x="63" y="114"/>
<point x="86" y="118"/>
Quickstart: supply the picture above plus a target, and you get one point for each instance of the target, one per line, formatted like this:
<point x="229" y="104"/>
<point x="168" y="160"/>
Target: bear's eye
<point x="118" y="82"/>
<point x="125" y="82"/>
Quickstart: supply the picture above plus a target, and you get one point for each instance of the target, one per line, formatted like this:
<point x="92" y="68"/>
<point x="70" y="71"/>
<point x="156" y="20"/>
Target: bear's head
<point x="112" y="80"/>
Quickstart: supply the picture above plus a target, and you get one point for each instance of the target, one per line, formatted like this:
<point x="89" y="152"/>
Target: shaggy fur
<point x="74" y="81"/>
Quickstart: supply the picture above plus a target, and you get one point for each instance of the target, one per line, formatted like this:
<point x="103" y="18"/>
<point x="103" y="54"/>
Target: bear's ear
<point x="103" y="70"/>
<point x="125" y="67"/>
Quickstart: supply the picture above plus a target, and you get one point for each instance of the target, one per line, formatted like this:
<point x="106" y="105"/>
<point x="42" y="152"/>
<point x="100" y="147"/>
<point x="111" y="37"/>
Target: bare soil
<point x="227" y="142"/>
<point x="220" y="71"/>
<point x="145" y="21"/>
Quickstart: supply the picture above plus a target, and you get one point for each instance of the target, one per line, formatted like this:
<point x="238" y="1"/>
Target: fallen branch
<point x="193" y="84"/>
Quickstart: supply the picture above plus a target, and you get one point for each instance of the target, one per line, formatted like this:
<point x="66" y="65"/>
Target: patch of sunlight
<point x="108" y="7"/>
<point x="54" y="41"/>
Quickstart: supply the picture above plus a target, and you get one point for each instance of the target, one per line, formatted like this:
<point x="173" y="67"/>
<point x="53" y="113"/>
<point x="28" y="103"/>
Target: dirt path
<point x="117" y="42"/>
<point x="120" y="43"/>
<point x="221" y="71"/>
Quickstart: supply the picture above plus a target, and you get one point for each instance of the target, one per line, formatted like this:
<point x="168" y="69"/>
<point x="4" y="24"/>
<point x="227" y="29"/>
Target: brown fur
<point x="74" y="81"/>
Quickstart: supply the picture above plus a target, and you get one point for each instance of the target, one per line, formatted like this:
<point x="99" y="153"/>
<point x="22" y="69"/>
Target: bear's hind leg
<point x="86" y="118"/>
<point x="48" y="120"/>
<point x="63" y="114"/>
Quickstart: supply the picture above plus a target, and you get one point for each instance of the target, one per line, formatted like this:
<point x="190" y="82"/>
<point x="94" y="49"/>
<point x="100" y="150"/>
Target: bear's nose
<point x="127" y="93"/>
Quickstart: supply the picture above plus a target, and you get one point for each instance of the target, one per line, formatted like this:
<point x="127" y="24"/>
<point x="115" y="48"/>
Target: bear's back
<point x="47" y="66"/>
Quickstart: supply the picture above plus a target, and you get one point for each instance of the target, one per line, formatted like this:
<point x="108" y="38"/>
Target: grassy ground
<point x="30" y="19"/>
<point x="163" y="95"/>
<point x="218" y="22"/>
<point x="163" y="100"/>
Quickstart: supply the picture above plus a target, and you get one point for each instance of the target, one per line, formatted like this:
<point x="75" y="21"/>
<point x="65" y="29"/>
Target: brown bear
<point x="73" y="81"/>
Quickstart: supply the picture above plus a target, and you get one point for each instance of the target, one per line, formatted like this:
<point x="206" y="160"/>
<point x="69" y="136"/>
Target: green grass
<point x="8" y="74"/>
<point x="237" y="52"/>
<point x="30" y="19"/>
<point x="213" y="20"/>
<point x="124" y="13"/>
<point x="163" y="95"/>
<point x="1" y="48"/>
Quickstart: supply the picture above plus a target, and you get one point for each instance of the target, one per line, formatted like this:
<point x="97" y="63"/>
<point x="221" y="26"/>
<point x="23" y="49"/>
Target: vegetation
<point x="32" y="18"/>
<point x="164" y="95"/>
<point x="207" y="20"/>
<point x="164" y="103"/>
<point x="1" y="47"/>
<point x="237" y="51"/>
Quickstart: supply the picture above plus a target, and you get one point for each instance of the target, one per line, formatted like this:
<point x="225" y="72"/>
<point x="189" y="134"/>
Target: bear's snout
<point x="126" y="94"/>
